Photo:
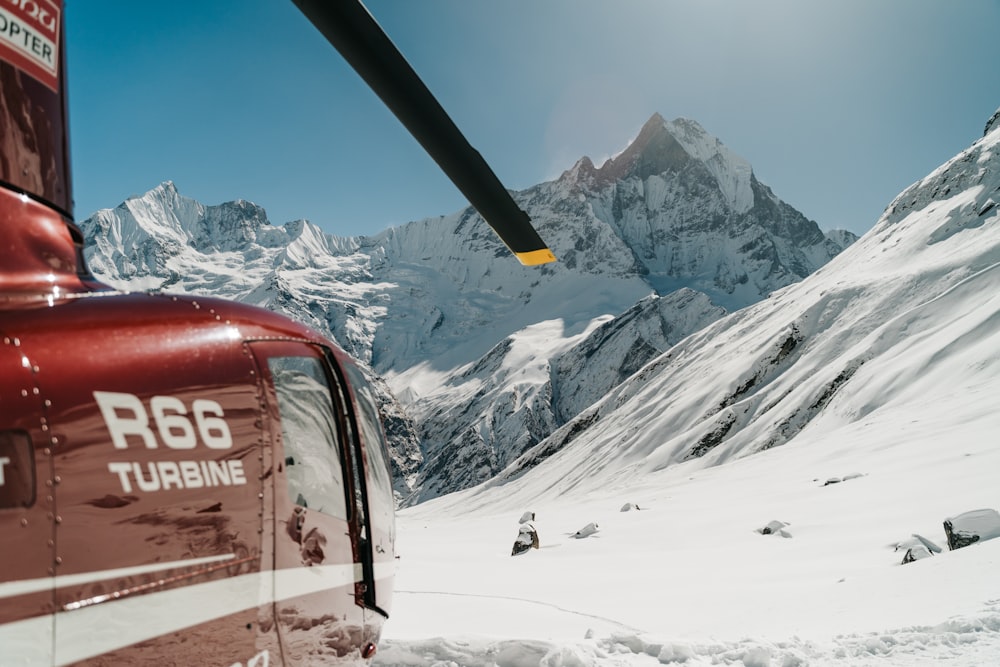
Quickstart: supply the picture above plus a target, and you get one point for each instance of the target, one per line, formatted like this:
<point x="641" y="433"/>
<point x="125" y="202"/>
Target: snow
<point x="880" y="371"/>
<point x="688" y="578"/>
<point x="730" y="170"/>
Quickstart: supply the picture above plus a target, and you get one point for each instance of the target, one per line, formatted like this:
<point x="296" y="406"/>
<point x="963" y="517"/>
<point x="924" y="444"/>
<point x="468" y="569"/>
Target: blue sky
<point x="838" y="105"/>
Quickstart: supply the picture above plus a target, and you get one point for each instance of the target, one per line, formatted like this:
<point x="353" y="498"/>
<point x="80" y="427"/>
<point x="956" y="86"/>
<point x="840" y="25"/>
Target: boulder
<point x="586" y="531"/>
<point x="526" y="517"/>
<point x="775" y="528"/>
<point x="628" y="507"/>
<point x="527" y="538"/>
<point x="916" y="552"/>
<point x="971" y="527"/>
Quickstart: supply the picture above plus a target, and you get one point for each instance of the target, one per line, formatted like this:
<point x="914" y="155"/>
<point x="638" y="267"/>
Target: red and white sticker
<point x="29" y="37"/>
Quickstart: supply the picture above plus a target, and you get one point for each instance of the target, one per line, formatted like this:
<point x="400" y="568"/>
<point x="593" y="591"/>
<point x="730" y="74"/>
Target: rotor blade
<point x="349" y="27"/>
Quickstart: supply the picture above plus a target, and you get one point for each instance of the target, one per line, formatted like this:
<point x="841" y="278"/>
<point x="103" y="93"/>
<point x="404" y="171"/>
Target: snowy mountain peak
<point x="670" y="147"/>
<point x="688" y="212"/>
<point x="583" y="170"/>
<point x="164" y="189"/>
<point x="655" y="151"/>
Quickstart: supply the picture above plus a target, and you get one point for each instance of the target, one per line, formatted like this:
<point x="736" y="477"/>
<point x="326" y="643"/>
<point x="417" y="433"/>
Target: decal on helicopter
<point x="208" y="417"/>
<point x="165" y="475"/>
<point x="29" y="38"/>
<point x="125" y="416"/>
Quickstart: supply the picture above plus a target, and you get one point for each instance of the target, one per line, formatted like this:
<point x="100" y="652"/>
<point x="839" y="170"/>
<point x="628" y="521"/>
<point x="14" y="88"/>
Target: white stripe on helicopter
<point x="96" y="629"/>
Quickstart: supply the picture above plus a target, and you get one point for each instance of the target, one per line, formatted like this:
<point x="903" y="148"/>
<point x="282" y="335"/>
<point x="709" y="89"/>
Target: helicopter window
<point x="382" y="503"/>
<point x="17" y="470"/>
<point x="312" y="448"/>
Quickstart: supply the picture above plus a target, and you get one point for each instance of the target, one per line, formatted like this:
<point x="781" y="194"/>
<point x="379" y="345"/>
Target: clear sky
<point x="838" y="105"/>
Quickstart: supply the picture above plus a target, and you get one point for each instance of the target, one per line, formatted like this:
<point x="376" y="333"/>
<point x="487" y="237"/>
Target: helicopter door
<point x="317" y="562"/>
<point x="27" y="511"/>
<point x="378" y="502"/>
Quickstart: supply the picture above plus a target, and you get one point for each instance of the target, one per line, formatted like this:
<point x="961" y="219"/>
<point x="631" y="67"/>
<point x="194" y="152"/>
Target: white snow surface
<point x="881" y="370"/>
<point x="688" y="578"/>
<point x="730" y="170"/>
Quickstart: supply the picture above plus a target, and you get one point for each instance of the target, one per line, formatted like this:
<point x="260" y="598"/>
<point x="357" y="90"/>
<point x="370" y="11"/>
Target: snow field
<point x="689" y="579"/>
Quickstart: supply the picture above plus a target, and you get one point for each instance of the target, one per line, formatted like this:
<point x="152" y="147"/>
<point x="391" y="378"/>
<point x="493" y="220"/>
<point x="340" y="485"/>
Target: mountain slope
<point x="428" y="305"/>
<point x="485" y="414"/>
<point x="907" y="319"/>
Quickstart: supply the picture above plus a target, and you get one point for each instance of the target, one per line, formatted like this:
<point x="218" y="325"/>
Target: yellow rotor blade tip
<point x="535" y="257"/>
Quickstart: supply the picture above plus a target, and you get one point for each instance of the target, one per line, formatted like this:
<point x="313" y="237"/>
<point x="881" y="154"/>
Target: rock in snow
<point x="971" y="527"/>
<point x="916" y="552"/>
<point x="918" y="540"/>
<point x="775" y="528"/>
<point x="527" y="538"/>
<point x="586" y="531"/>
<point x="838" y="480"/>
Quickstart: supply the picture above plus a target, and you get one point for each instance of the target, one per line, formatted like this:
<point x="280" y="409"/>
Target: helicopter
<point x="182" y="478"/>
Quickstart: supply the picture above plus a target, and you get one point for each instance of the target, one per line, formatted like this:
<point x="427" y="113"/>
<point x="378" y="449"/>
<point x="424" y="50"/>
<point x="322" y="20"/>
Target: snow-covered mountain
<point x="538" y="378"/>
<point x="164" y="241"/>
<point x="693" y="214"/>
<point x="825" y="352"/>
<point x="486" y="356"/>
<point x="855" y="411"/>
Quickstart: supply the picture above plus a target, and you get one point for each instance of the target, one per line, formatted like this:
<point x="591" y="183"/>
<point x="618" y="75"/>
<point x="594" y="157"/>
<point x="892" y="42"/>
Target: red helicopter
<point x="186" y="479"/>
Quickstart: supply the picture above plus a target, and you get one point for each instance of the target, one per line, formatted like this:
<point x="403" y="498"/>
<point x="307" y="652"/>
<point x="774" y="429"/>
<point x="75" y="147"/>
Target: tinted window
<point x="381" y="502"/>
<point x="312" y="448"/>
